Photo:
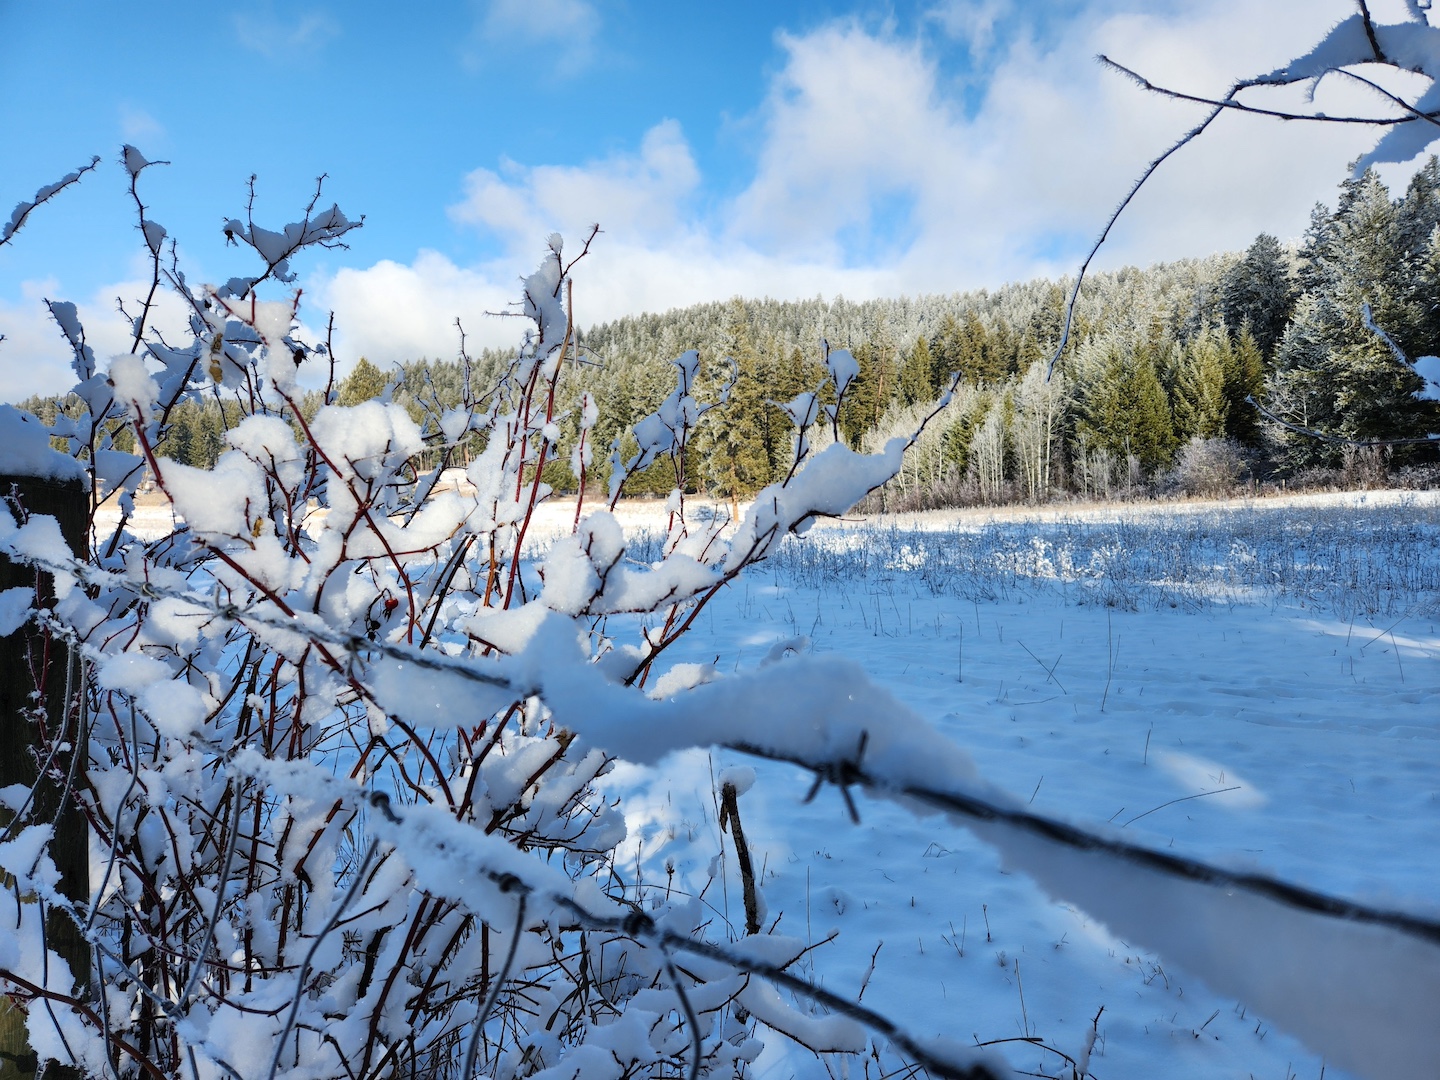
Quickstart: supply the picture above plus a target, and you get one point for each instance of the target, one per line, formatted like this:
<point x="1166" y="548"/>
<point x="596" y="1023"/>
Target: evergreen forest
<point x="1197" y="375"/>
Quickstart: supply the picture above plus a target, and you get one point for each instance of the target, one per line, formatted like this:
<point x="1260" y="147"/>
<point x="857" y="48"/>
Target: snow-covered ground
<point x="1256" y="685"/>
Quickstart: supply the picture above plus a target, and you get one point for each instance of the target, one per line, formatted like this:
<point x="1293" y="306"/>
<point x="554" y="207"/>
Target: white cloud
<point x="35" y="358"/>
<point x="870" y="179"/>
<point x="635" y="195"/>
<point x="850" y="118"/>
<point x="391" y="312"/>
<point x="857" y="118"/>
<point x="970" y="21"/>
<point x="567" y="27"/>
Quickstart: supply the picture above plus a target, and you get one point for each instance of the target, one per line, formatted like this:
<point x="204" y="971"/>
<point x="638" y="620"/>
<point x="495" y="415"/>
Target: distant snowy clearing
<point x="1268" y="702"/>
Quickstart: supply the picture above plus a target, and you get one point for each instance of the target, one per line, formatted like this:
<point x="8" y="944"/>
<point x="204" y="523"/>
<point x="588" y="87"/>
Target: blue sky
<point x="783" y="149"/>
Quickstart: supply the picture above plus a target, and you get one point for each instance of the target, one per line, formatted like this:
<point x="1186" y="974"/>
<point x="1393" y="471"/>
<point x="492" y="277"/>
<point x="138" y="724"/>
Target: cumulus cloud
<point x="870" y="177"/>
<point x="636" y="195"/>
<point x="853" y="116"/>
<point x="392" y="312"/>
<point x="858" y="122"/>
<point x="35" y="358"/>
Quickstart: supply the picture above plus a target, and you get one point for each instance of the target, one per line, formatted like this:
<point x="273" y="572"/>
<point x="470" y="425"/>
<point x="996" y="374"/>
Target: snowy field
<point x="1255" y="684"/>
<point x="1252" y="684"/>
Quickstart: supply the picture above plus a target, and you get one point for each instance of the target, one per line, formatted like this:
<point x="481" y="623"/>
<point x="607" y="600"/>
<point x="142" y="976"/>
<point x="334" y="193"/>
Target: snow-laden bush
<point x="344" y="733"/>
<point x="335" y="717"/>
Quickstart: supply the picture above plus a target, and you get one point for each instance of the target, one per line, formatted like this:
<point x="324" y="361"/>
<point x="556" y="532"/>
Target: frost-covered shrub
<point x="1365" y="466"/>
<point x="337" y="757"/>
<point x="1209" y="467"/>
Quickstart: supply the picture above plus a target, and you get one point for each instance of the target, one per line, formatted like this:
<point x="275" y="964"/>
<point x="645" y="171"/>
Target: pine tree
<point x="1418" y="226"/>
<point x="1333" y="374"/>
<point x="790" y="374"/>
<point x="871" y="393"/>
<point x="947" y="349"/>
<point x="1001" y="355"/>
<point x="917" y="375"/>
<point x="1259" y="292"/>
<point x="1427" y="295"/>
<point x="180" y="439"/>
<point x="1202" y="407"/>
<point x="1042" y="331"/>
<point x="965" y="345"/>
<point x="959" y="433"/>
<point x="364" y="382"/>
<point x="1418" y="214"/>
<point x="1244" y="384"/>
<point x="1124" y="411"/>
<point x="736" y="457"/>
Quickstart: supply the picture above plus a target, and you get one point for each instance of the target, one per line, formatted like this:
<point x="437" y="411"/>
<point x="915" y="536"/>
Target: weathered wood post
<point x="32" y="661"/>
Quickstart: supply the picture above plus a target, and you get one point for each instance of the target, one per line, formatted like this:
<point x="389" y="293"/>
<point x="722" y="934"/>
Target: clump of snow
<point x="740" y="777"/>
<point x="118" y="471"/>
<point x="14" y="609"/>
<point x="133" y="383"/>
<point x="843" y="367"/>
<point x="1367" y="996"/>
<point x="25" y="449"/>
<point x="835" y="480"/>
<point x="1410" y="46"/>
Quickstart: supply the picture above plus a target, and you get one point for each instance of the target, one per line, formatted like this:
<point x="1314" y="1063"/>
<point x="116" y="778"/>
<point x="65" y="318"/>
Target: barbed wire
<point x="639" y="926"/>
<point x="842" y="772"/>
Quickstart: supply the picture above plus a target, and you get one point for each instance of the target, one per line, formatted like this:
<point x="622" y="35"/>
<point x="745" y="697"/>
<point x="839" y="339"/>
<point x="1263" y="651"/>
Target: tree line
<point x="1161" y="373"/>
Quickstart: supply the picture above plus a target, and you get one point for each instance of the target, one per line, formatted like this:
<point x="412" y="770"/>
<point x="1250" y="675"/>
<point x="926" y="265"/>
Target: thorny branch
<point x="45" y="194"/>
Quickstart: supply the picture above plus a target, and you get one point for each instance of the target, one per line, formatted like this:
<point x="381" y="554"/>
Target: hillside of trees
<point x="1154" y="388"/>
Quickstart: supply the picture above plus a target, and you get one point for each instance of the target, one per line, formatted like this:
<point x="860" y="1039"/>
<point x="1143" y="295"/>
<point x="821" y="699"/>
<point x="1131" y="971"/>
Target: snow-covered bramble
<point x="347" y="832"/>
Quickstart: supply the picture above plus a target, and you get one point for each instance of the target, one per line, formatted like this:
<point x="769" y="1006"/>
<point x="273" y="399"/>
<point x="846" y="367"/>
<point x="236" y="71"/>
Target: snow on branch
<point x="318" y="228"/>
<point x="454" y="860"/>
<point x="23" y="210"/>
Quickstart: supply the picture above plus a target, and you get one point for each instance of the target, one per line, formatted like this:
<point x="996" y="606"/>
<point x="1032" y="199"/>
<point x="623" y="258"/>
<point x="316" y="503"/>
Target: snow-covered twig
<point x="45" y="194"/>
<point x="641" y="927"/>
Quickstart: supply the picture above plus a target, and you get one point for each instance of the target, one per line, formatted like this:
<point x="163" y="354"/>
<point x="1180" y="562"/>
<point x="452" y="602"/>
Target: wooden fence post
<point x="31" y="660"/>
